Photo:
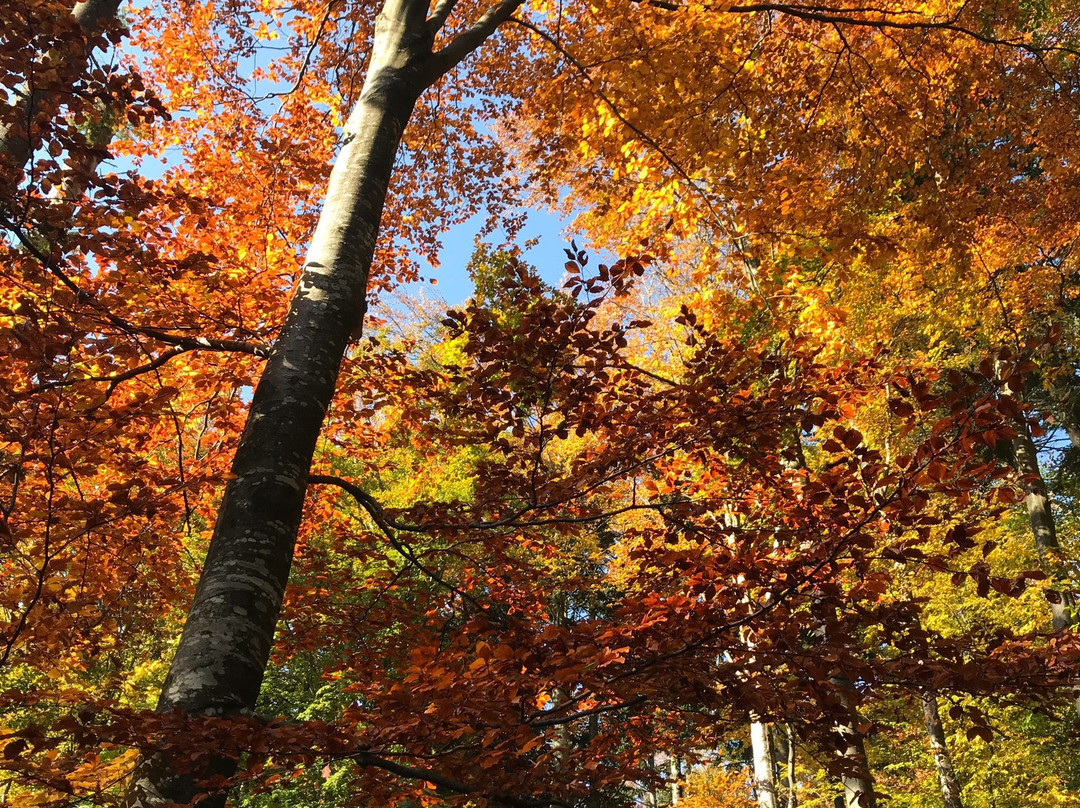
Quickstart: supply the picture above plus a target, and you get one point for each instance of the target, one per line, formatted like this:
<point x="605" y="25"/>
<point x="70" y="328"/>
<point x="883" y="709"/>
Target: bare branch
<point x="439" y="15"/>
<point x="444" y="783"/>
<point x="467" y="41"/>
<point x="874" y="18"/>
<point x="307" y="56"/>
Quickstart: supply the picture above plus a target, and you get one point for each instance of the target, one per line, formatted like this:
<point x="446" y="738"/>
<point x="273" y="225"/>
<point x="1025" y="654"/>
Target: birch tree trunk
<point x="764" y="764"/>
<point x="1041" y="517"/>
<point x="792" y="785"/>
<point x="226" y="641"/>
<point x="858" y="781"/>
<point x="950" y="787"/>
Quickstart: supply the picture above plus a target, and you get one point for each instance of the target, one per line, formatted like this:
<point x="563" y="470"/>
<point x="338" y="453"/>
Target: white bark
<point x="764" y="764"/>
<point x="1043" y="529"/>
<point x="792" y="784"/>
<point x="858" y="781"/>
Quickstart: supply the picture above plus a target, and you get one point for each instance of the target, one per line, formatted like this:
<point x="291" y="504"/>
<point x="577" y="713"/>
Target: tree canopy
<point x="775" y="504"/>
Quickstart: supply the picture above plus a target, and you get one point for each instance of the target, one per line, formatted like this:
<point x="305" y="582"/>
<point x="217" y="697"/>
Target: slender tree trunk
<point x="764" y="764"/>
<point x="792" y="785"/>
<point x="226" y="641"/>
<point x="859" y="786"/>
<point x="673" y="775"/>
<point x="950" y="787"/>
<point x="561" y="742"/>
<point x="648" y="796"/>
<point x="858" y="780"/>
<point x="1041" y="518"/>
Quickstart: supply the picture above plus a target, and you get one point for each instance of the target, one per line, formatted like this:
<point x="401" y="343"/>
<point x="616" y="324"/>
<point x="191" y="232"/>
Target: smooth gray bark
<point x="1041" y="517"/>
<point x="950" y="787"/>
<point x="226" y="641"/>
<point x="858" y="781"/>
<point x="1065" y="402"/>
<point x="858" y="787"/>
<point x="561" y="742"/>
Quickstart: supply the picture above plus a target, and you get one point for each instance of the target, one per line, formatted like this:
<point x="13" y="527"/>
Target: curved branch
<point x="725" y="227"/>
<point x="375" y="510"/>
<point x="444" y="783"/>
<point x="847" y="17"/>
<point x="187" y="343"/>
<point x="443" y="61"/>
<point x="114" y="381"/>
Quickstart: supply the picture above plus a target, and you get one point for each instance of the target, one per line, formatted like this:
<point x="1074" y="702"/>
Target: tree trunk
<point x="1041" y="518"/>
<point x="858" y="786"/>
<point x="673" y="775"/>
<point x="561" y="742"/>
<point x="857" y="779"/>
<point x="764" y="764"/>
<point x="1065" y="401"/>
<point x="226" y="641"/>
<point x="950" y="788"/>
<point x="792" y="786"/>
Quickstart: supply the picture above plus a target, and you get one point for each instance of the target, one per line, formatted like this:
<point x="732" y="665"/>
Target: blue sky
<point x="452" y="281"/>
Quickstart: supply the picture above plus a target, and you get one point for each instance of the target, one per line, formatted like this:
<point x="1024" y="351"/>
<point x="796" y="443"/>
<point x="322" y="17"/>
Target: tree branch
<point x="443" y="61"/>
<point x="603" y="708"/>
<point x="439" y="15"/>
<point x="187" y="343"/>
<point x="725" y="227"/>
<point x="451" y="785"/>
<point x="846" y="16"/>
<point x="114" y="381"/>
<point x="372" y="506"/>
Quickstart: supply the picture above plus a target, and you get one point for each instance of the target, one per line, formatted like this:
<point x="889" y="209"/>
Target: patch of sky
<point x="541" y="243"/>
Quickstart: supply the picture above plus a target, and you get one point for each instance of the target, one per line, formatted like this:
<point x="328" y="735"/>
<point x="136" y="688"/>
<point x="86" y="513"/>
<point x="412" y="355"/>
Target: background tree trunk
<point x="858" y="781"/>
<point x="792" y="785"/>
<point x="15" y="137"/>
<point x="1043" y="529"/>
<point x="764" y="764"/>
<point x="950" y="788"/>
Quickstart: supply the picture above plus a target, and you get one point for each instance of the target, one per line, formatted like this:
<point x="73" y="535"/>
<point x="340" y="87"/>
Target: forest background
<point x="774" y="506"/>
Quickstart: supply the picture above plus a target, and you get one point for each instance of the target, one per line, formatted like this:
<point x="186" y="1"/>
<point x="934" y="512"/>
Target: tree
<point x="228" y="636"/>
<point x="950" y="787"/>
